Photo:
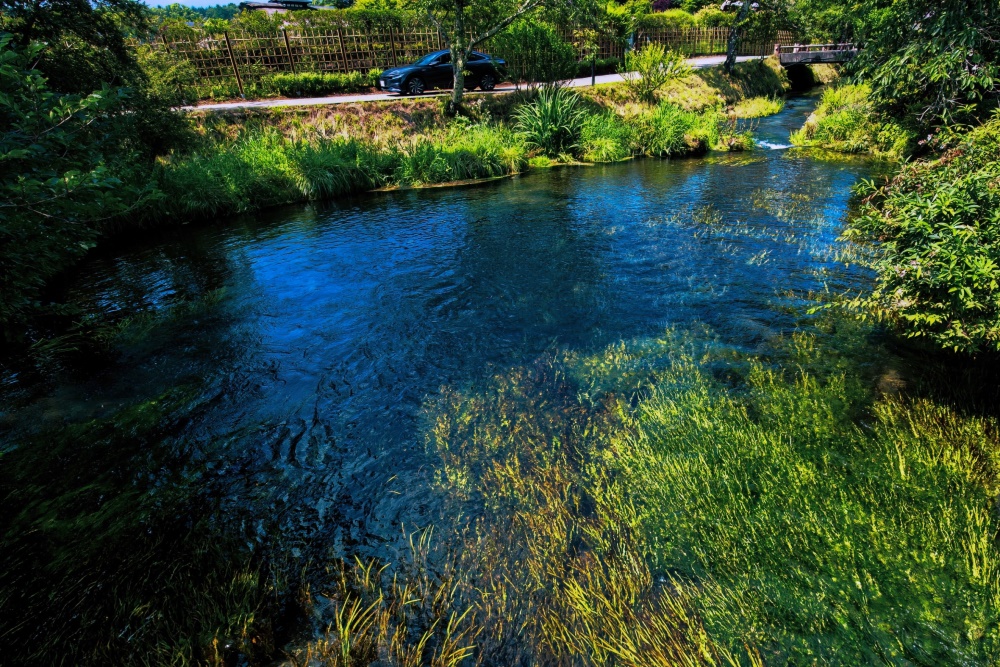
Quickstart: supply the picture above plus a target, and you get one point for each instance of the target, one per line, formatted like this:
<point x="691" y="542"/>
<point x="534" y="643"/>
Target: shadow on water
<point x="306" y="339"/>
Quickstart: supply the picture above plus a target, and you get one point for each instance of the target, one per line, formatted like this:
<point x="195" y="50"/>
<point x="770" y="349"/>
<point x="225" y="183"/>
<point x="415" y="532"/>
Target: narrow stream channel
<point x="310" y="336"/>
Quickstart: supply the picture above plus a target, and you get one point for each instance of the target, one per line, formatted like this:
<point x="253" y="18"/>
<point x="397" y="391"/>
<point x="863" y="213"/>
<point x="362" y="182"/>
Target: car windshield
<point x="428" y="59"/>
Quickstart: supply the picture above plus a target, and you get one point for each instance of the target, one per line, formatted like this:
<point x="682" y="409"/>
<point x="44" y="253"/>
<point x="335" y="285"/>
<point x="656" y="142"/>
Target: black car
<point x="435" y="71"/>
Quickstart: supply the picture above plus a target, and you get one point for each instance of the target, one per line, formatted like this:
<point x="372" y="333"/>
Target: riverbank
<point x="247" y="161"/>
<point x="252" y="159"/>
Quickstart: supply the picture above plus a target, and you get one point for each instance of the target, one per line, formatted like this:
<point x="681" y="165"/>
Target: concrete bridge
<point x="809" y="54"/>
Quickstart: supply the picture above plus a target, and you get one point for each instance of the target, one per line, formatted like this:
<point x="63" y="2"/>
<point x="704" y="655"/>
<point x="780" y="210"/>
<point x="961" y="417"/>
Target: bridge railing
<point x="810" y="48"/>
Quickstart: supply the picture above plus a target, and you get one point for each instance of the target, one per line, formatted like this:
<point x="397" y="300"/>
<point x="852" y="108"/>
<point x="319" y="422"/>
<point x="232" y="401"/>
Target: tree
<point x="465" y="24"/>
<point x="86" y="39"/>
<point x="936" y="61"/>
<point x="55" y="185"/>
<point x="735" y="32"/>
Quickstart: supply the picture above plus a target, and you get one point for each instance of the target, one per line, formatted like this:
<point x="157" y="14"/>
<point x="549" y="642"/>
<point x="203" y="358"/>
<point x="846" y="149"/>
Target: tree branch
<point x="525" y="7"/>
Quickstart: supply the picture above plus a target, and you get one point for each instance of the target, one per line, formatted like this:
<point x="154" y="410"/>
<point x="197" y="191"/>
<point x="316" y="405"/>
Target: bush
<point x="535" y="52"/>
<point x="937" y="262"/>
<point x="712" y="17"/>
<point x="648" y="69"/>
<point x="552" y="123"/>
<point x="845" y="121"/>
<point x="56" y="185"/>
<point x="672" y="19"/>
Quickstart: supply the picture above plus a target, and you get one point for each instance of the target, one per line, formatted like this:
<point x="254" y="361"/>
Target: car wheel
<point x="488" y="82"/>
<point x="415" y="86"/>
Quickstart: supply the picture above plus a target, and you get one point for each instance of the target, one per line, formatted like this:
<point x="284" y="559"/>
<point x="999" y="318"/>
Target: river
<point x="307" y="338"/>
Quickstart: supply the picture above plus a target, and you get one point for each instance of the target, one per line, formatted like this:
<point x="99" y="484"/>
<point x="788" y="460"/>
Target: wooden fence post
<point x="288" y="49"/>
<point x="343" y="51"/>
<point x="232" y="61"/>
<point x="392" y="46"/>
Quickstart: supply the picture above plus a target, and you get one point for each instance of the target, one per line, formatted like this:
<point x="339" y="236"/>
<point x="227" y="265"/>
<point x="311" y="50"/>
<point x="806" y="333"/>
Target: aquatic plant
<point x="807" y="520"/>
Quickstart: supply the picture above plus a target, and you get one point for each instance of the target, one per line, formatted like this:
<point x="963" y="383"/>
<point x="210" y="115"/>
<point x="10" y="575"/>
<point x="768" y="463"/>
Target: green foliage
<point x="672" y="19"/>
<point x="758" y="107"/>
<point x="264" y="168"/>
<point x="845" y="120"/>
<point x="824" y="21"/>
<point x="937" y="262"/>
<point x="307" y="84"/>
<point x="552" y="122"/>
<point x="713" y="17"/>
<point x="172" y="81"/>
<point x="606" y="137"/>
<point x="648" y="69"/>
<point x="85" y="41"/>
<point x="934" y="61"/>
<point x="54" y="184"/>
<point x="662" y="131"/>
<point x="534" y="52"/>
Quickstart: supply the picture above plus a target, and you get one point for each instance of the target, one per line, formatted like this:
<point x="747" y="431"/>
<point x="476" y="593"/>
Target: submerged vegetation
<point x="811" y="521"/>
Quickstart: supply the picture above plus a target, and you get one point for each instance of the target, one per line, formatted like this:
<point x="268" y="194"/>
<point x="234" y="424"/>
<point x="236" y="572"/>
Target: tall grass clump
<point x="466" y="152"/>
<point x="758" y="107"/>
<point x="264" y="167"/>
<point x="606" y="137"/>
<point x="845" y="121"/>
<point x="552" y="122"/>
<point x="667" y="131"/>
<point x="935" y="232"/>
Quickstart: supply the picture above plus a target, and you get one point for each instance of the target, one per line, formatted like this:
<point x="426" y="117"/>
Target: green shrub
<point x="937" y="258"/>
<point x="534" y="52"/>
<point x="845" y="120"/>
<point x="672" y="19"/>
<point x="713" y="17"/>
<point x="552" y="123"/>
<point x="648" y="69"/>
<point x="57" y="184"/>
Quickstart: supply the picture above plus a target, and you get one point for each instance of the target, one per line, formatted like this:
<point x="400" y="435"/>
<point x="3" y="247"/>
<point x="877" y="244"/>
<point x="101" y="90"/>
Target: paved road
<point x="697" y="63"/>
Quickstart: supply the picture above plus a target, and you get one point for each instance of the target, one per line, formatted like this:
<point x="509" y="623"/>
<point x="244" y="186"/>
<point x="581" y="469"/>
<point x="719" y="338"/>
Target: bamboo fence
<point x="245" y="57"/>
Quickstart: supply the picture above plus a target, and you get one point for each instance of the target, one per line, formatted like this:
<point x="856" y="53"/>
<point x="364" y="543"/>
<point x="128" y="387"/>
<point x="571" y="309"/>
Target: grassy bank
<point x="845" y="121"/>
<point x="250" y="160"/>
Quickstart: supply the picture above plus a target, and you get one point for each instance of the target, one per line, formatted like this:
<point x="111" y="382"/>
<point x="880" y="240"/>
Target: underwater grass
<point x="783" y="510"/>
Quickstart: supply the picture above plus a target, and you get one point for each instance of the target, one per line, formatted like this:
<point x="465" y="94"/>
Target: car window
<point x="427" y="60"/>
<point x="443" y="60"/>
<point x="473" y="57"/>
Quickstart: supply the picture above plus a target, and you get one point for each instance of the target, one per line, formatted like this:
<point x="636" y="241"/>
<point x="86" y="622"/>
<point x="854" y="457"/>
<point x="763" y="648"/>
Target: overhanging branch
<point x="525" y="7"/>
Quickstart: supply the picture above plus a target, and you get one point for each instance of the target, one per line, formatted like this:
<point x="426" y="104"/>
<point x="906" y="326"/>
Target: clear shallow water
<point x="315" y="334"/>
